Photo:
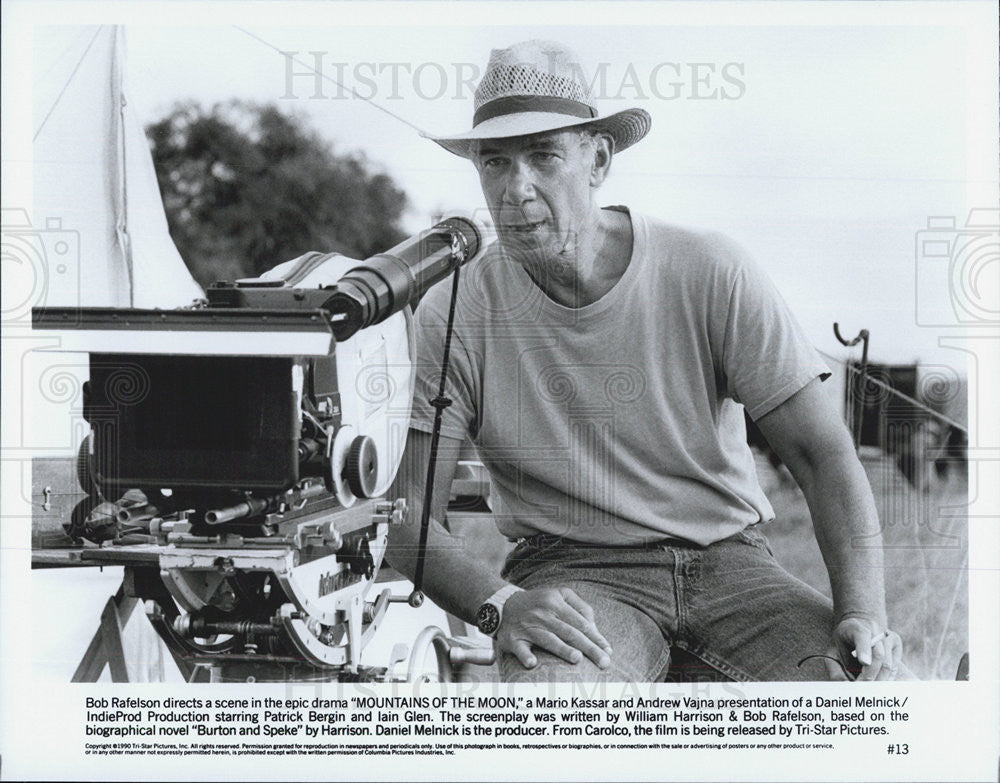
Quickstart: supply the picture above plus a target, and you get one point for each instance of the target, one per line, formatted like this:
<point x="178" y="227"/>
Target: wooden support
<point x="106" y="649"/>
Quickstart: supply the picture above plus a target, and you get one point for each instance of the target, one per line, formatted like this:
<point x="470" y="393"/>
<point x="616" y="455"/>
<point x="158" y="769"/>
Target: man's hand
<point x="553" y="619"/>
<point x="867" y="652"/>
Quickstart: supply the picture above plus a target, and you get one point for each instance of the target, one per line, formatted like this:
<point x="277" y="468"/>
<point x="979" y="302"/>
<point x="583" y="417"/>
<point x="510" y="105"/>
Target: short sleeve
<point x="766" y="355"/>
<point x="460" y="418"/>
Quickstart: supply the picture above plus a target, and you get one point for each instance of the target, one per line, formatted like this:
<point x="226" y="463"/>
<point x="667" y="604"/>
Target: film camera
<point x="238" y="449"/>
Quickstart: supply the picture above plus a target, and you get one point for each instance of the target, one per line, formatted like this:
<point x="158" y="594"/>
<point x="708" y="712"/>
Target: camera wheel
<point x="361" y="468"/>
<point x="84" y="471"/>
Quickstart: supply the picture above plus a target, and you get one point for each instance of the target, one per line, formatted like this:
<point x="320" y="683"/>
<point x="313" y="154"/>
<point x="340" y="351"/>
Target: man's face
<point x="538" y="189"/>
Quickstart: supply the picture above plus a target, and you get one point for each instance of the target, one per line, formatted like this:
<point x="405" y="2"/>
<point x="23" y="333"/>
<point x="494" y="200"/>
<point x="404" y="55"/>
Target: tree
<point x="246" y="187"/>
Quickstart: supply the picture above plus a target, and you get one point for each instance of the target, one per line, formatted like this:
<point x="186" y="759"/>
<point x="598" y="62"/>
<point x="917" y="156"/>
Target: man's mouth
<point x="523" y="228"/>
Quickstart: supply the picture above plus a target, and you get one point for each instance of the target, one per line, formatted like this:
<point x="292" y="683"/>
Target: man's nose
<point x="519" y="185"/>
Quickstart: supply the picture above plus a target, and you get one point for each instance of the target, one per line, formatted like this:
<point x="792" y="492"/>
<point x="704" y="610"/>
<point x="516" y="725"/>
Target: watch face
<point x="488" y="619"/>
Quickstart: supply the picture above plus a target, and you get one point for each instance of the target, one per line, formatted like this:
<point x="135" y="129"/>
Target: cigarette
<point x="875" y="640"/>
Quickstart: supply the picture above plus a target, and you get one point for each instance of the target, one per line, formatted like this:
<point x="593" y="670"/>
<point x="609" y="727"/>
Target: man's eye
<point x="492" y="163"/>
<point x="545" y="156"/>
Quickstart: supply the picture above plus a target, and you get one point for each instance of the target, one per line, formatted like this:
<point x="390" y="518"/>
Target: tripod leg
<point x="106" y="646"/>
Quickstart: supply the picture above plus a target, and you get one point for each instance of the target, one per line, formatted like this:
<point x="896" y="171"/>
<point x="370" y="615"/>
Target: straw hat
<point x="537" y="86"/>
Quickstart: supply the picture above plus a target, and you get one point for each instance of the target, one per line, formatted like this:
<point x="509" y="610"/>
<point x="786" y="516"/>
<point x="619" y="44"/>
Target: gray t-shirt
<point x="621" y="421"/>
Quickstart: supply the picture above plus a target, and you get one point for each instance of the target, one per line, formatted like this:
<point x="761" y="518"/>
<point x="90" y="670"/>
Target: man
<point x="600" y="363"/>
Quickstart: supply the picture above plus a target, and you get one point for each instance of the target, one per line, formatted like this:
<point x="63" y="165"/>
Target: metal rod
<point x="440" y="403"/>
<point x="856" y="420"/>
<point x="249" y="507"/>
<point x="137" y="513"/>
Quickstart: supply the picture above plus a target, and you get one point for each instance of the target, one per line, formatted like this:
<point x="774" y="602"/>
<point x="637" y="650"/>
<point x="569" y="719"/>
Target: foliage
<point x="246" y="187"/>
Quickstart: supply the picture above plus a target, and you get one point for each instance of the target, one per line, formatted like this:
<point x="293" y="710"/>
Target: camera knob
<point x="357" y="554"/>
<point x="361" y="467"/>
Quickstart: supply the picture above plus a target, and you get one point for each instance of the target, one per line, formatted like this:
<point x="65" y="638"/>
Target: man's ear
<point x="604" y="151"/>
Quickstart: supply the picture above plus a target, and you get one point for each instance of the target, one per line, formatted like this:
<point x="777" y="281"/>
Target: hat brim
<point x="625" y="127"/>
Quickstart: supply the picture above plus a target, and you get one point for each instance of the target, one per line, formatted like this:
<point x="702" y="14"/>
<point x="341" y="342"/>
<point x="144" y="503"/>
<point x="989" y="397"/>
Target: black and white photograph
<point x="448" y="391"/>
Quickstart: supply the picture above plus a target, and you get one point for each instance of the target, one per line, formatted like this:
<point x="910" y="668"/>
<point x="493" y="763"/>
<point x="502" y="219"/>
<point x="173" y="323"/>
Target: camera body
<point x="244" y="398"/>
<point x="238" y="449"/>
<point x="234" y="460"/>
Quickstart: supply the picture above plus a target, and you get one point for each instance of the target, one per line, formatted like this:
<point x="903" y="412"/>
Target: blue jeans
<point x="729" y="607"/>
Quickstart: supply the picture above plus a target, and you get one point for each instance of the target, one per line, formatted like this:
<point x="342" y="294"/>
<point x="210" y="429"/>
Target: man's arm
<point x="459" y="579"/>
<point x="807" y="433"/>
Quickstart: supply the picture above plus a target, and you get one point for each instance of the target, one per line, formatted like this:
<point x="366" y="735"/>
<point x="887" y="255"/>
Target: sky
<point x="824" y="138"/>
<point x="824" y="148"/>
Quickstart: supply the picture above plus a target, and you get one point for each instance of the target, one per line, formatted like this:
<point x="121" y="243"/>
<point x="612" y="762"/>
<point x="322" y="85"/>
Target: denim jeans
<point x="729" y="605"/>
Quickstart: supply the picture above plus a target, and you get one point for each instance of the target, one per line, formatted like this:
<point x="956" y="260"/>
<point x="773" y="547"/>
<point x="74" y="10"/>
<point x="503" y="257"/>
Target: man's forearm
<point x="459" y="576"/>
<point x="456" y="576"/>
<point x="807" y="432"/>
<point x="847" y="529"/>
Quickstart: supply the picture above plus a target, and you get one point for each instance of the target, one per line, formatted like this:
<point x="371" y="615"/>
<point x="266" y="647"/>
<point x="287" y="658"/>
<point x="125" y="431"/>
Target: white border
<point x="957" y="727"/>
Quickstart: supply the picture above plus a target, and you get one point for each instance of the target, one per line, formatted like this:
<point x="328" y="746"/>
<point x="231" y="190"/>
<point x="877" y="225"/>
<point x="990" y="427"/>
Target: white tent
<point x="95" y="192"/>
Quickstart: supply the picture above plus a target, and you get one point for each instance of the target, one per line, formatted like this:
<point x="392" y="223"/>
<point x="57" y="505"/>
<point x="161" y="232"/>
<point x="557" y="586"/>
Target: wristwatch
<point x="490" y="612"/>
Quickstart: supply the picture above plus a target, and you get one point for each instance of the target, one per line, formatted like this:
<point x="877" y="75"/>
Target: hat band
<point x="515" y="104"/>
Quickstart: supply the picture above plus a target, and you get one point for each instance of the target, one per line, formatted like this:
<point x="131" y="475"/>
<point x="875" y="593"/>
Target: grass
<point x="925" y="548"/>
